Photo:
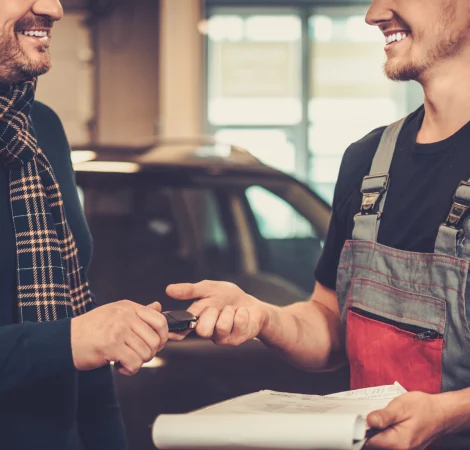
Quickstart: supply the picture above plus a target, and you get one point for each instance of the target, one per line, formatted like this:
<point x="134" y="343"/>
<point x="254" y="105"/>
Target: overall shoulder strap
<point x="375" y="186"/>
<point x="453" y="228"/>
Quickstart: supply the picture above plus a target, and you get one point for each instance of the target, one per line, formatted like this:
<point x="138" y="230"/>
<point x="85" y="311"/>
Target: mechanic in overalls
<point x="396" y="261"/>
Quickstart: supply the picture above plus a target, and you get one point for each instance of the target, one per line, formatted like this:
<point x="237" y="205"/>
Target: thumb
<point x="182" y="291"/>
<point x="382" y="419"/>
<point x="156" y="306"/>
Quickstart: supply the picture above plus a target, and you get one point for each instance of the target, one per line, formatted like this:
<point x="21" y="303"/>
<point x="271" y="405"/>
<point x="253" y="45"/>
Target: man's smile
<point x="396" y="37"/>
<point x="36" y="34"/>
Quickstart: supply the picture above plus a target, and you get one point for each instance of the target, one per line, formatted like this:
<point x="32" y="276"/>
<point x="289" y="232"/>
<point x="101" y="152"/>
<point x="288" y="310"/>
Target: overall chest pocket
<point x="394" y="335"/>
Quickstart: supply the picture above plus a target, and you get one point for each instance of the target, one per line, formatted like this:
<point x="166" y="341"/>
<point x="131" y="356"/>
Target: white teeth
<point x="397" y="37"/>
<point x="35" y="33"/>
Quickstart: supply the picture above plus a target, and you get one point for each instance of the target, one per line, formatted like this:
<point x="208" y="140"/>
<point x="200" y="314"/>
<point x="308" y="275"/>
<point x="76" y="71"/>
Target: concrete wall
<point x="127" y="47"/>
<point x="182" y="65"/>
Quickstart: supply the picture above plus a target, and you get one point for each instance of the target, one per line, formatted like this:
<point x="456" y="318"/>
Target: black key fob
<point x="180" y="320"/>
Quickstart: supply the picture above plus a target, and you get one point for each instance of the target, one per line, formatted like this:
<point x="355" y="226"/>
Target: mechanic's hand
<point x="227" y="315"/>
<point x="412" y="421"/>
<point x="124" y="332"/>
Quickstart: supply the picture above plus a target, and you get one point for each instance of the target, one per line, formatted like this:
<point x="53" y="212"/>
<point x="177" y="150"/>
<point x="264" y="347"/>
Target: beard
<point x="444" y="43"/>
<point x="16" y="65"/>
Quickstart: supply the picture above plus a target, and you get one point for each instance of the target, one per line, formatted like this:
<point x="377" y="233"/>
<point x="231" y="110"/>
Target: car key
<point x="180" y="320"/>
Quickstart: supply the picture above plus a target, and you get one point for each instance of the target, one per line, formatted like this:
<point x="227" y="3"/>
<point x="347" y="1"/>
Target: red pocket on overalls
<point x="382" y="351"/>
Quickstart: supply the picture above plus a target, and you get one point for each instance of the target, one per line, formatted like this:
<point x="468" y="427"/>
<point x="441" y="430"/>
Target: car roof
<point x="205" y="154"/>
<point x="215" y="162"/>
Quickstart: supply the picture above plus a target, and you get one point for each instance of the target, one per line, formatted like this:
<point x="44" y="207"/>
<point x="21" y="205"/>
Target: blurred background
<point x="279" y="78"/>
<point x="159" y="98"/>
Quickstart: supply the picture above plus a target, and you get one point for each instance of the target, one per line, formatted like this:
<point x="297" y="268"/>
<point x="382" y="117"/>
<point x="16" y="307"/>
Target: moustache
<point x="395" y="23"/>
<point x="31" y="23"/>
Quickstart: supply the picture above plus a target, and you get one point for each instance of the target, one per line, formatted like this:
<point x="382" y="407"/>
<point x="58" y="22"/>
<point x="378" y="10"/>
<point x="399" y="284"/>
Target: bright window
<point x="277" y="219"/>
<point x="297" y="86"/>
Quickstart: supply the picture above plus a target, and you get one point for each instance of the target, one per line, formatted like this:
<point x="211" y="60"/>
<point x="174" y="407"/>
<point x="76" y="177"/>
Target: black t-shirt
<point x="423" y="180"/>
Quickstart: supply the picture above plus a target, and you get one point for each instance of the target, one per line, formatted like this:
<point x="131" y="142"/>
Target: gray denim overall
<point x="404" y="312"/>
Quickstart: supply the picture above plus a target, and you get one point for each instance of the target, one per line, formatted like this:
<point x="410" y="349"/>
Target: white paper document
<point x="269" y="420"/>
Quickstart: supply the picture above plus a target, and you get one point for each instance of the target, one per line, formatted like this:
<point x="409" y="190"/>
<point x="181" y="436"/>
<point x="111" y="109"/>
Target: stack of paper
<point x="276" y="420"/>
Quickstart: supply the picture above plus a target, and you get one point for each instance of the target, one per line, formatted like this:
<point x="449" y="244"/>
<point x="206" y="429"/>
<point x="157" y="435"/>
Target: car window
<point x="213" y="230"/>
<point x="276" y="218"/>
<point x="204" y="209"/>
<point x="288" y="244"/>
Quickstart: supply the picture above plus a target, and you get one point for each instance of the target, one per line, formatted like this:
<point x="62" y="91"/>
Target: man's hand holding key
<point x="124" y="332"/>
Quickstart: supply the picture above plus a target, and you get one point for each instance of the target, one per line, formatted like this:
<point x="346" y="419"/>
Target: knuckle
<point x="222" y="331"/>
<point x="204" y="332"/>
<point x="147" y="353"/>
<point x="135" y="366"/>
<point x="240" y="320"/>
<point x="222" y="327"/>
<point x="237" y="342"/>
<point x="117" y="334"/>
<point x="162" y="322"/>
<point x="156" y="345"/>
<point x="123" y="331"/>
<point x="232" y="287"/>
<point x="124" y="303"/>
<point x="229" y="310"/>
<point x="211" y="310"/>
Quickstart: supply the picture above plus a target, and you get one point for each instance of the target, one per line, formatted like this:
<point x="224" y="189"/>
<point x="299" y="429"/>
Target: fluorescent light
<point x="80" y="156"/>
<point x="107" y="166"/>
<point x="154" y="363"/>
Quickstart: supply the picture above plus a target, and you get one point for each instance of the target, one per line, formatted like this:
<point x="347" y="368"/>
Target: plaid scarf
<point x="51" y="284"/>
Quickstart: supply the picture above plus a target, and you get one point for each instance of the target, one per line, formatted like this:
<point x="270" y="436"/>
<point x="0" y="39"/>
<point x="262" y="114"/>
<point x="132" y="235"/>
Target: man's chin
<point x="34" y="69"/>
<point x="401" y="72"/>
<point x="26" y="73"/>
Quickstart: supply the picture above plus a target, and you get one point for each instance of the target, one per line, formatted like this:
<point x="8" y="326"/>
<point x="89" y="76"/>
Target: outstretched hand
<point x="227" y="315"/>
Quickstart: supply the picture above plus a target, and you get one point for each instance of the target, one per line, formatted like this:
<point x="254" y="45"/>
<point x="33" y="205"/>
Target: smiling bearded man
<point x="56" y="385"/>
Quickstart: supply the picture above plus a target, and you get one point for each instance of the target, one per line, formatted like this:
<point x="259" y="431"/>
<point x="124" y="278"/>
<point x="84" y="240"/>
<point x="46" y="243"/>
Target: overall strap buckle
<point x="460" y="207"/>
<point x="373" y="188"/>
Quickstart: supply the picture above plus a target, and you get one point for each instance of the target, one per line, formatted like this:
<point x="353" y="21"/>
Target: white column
<point x="181" y="90"/>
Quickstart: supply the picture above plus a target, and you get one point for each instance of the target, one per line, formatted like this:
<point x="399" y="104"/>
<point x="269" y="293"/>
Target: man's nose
<point x="379" y="12"/>
<point x="49" y="8"/>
